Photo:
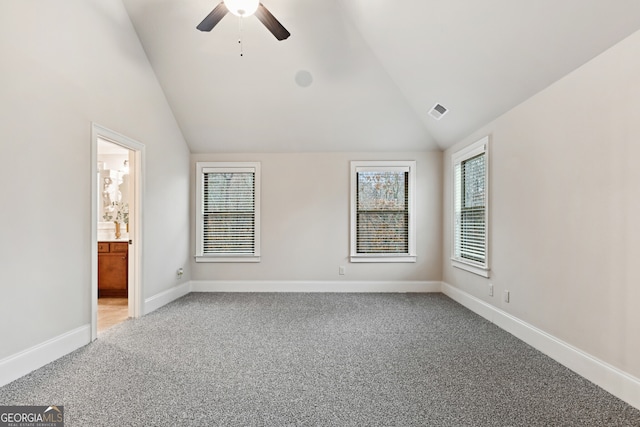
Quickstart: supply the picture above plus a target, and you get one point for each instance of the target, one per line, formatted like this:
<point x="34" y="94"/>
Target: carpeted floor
<point x="315" y="360"/>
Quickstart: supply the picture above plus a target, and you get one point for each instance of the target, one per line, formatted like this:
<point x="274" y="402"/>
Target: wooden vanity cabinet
<point x="113" y="269"/>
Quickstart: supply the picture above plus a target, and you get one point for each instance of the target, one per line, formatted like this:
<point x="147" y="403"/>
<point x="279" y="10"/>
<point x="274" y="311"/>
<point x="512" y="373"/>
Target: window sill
<point x="402" y="258"/>
<point x="480" y="271"/>
<point x="226" y="259"/>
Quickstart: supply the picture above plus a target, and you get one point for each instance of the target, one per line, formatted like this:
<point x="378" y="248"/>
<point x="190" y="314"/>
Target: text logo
<point x="32" y="416"/>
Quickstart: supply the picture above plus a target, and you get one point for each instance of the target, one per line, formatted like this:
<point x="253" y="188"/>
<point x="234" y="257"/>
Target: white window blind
<point x="228" y="217"/>
<point x="229" y="213"/>
<point x="382" y="217"/>
<point x="470" y="220"/>
<point x="383" y="213"/>
<point x="470" y="207"/>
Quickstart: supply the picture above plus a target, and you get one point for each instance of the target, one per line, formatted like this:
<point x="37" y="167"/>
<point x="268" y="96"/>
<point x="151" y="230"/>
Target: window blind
<point x="382" y="217"/>
<point x="229" y="223"/>
<point x="470" y="209"/>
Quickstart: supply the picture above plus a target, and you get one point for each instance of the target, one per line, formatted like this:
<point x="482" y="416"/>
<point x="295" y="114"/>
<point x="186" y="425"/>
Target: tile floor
<point x="111" y="311"/>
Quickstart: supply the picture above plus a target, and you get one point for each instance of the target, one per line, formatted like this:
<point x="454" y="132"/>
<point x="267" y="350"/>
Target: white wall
<point x="64" y="65"/>
<point x="305" y="220"/>
<point x="565" y="203"/>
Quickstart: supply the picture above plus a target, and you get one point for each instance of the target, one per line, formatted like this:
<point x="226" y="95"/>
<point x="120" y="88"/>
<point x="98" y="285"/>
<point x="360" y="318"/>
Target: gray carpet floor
<point x="315" y="360"/>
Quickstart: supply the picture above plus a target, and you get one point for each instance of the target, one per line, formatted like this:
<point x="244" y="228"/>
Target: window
<point x="228" y="215"/>
<point x="470" y="208"/>
<point x="382" y="211"/>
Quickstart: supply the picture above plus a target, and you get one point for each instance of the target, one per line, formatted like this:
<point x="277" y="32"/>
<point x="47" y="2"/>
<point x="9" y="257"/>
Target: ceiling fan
<point x="244" y="8"/>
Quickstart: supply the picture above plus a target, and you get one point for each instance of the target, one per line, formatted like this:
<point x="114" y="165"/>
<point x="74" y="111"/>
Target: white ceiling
<point x="375" y="67"/>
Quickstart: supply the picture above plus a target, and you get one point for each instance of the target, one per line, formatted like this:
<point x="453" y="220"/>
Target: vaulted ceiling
<point x="362" y="75"/>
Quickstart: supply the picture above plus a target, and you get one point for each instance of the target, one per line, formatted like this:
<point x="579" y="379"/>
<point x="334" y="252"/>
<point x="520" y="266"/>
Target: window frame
<point x="382" y="166"/>
<point x="234" y="167"/>
<point x="480" y="147"/>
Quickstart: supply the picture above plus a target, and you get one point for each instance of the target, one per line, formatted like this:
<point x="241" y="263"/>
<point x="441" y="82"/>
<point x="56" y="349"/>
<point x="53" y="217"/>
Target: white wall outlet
<point x="490" y="289"/>
<point x="179" y="273"/>
<point x="506" y="296"/>
<point x="341" y="270"/>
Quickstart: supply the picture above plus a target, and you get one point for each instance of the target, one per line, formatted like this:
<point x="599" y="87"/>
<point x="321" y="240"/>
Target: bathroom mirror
<point x="114" y="191"/>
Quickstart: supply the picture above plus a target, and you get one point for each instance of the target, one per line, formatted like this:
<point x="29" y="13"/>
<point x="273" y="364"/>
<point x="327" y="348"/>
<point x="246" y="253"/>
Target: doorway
<point x="116" y="228"/>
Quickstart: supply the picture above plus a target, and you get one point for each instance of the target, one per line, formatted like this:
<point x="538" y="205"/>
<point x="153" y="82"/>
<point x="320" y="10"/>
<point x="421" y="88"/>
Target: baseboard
<point x="20" y="364"/>
<point x="312" y="286"/>
<point x="155" y="302"/>
<point x="617" y="382"/>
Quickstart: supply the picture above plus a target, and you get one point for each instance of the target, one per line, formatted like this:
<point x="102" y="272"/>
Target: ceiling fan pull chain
<point x="240" y="36"/>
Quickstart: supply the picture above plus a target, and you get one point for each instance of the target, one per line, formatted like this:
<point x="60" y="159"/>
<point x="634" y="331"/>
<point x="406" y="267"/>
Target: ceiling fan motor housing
<point x="242" y="7"/>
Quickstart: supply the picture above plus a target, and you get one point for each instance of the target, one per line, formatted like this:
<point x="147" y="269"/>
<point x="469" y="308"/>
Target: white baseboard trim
<point x="312" y="286"/>
<point x="617" y="382"/>
<point x="20" y="364"/>
<point x="155" y="302"/>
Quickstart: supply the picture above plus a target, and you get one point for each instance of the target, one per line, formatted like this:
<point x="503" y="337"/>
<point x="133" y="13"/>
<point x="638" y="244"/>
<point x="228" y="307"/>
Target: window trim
<point x="201" y="169"/>
<point x="381" y="166"/>
<point x="477" y="148"/>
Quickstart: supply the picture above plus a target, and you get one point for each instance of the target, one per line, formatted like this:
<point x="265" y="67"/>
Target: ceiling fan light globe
<point x="242" y="7"/>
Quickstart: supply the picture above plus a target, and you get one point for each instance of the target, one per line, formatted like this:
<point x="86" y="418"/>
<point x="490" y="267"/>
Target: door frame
<point x="135" y="219"/>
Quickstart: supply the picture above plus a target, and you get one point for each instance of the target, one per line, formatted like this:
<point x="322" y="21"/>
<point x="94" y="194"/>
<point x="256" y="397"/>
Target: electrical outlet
<point x="506" y="296"/>
<point x="341" y="270"/>
<point x="490" y="289"/>
<point x="179" y="273"/>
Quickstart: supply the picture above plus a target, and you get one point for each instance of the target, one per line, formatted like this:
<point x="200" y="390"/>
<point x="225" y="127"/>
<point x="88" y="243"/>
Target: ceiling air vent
<point x="438" y="111"/>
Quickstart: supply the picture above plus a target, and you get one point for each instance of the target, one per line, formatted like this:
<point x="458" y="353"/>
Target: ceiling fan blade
<point x="271" y="23"/>
<point x="213" y="18"/>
